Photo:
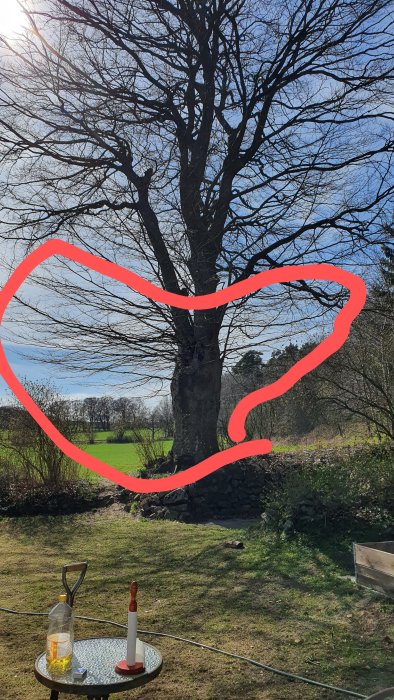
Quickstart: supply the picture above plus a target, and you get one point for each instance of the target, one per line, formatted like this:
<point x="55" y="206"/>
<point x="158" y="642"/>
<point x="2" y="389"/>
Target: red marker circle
<point x="236" y="426"/>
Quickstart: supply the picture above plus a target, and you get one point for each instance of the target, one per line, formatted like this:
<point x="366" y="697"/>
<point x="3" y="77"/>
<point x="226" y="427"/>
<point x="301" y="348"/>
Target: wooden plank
<point x="378" y="581"/>
<point x="374" y="559"/>
<point x="387" y="546"/>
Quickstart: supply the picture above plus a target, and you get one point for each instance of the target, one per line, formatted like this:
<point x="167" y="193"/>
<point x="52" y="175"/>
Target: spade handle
<point x="78" y="566"/>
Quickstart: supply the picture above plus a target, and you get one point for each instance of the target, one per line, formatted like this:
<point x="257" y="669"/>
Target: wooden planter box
<point x="374" y="566"/>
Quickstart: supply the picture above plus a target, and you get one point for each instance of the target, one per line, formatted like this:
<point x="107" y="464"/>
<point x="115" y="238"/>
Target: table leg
<point x="54" y="695"/>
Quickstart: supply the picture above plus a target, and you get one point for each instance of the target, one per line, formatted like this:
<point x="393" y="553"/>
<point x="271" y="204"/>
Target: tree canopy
<point x="197" y="143"/>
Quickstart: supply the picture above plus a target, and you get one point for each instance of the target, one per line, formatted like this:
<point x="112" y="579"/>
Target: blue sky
<point x="73" y="387"/>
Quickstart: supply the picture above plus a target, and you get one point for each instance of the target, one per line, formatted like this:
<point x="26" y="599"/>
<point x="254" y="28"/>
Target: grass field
<point x="122" y="456"/>
<point x="284" y="603"/>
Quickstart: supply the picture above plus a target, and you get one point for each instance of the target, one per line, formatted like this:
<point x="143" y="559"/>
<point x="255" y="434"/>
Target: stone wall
<point x="40" y="500"/>
<point x="233" y="491"/>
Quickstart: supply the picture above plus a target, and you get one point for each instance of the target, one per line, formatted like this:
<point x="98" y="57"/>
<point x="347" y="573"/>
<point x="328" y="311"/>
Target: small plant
<point x="134" y="508"/>
<point x="90" y="435"/>
<point x="224" y="442"/>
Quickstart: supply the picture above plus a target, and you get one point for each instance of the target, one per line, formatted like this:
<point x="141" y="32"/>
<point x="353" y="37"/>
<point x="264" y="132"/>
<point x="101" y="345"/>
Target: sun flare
<point x="12" y="18"/>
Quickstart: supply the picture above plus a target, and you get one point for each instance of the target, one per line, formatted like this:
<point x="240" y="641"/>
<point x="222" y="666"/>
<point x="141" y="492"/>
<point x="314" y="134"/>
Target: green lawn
<point x="122" y="456"/>
<point x="102" y="435"/>
<point x="284" y="603"/>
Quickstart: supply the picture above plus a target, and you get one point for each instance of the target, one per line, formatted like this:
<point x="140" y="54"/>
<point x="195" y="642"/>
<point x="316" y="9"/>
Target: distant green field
<point x="102" y="435"/>
<point x="123" y="457"/>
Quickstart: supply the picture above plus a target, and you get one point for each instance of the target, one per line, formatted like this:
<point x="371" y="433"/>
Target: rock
<point x="175" y="497"/>
<point x="184" y="518"/>
<point x="168" y="515"/>
<point x="234" y="544"/>
<point x="235" y="493"/>
<point x="123" y="496"/>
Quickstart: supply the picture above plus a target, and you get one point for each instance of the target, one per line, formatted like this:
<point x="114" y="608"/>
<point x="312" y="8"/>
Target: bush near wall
<point x="352" y="485"/>
<point x="289" y="491"/>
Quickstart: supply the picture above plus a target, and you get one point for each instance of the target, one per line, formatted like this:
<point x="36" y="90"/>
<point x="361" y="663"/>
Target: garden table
<point x="99" y="656"/>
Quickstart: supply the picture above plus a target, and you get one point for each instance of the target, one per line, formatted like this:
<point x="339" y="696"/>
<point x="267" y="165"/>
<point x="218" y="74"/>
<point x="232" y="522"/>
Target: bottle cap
<point x="62" y="598"/>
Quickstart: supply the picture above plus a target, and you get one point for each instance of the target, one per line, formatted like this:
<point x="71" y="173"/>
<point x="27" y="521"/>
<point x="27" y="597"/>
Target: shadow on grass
<point x="191" y="585"/>
<point x="338" y="545"/>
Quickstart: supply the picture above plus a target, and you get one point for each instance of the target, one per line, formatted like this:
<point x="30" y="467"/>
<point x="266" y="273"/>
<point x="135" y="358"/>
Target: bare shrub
<point x="150" y="450"/>
<point x="31" y="454"/>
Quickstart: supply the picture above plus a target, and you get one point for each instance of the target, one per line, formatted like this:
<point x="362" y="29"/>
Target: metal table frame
<point x="97" y="692"/>
<point x="55" y="695"/>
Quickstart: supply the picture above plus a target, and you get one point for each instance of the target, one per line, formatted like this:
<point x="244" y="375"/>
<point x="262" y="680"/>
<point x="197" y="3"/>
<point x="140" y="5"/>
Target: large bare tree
<point x="197" y="142"/>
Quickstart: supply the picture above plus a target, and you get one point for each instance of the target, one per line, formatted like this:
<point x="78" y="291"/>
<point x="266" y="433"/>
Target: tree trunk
<point x="195" y="390"/>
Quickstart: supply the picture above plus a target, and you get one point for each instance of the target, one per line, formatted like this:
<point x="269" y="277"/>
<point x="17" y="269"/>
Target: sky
<point x="74" y="385"/>
<point x="71" y="386"/>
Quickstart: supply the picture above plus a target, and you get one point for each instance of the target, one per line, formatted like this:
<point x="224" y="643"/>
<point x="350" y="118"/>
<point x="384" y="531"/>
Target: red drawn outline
<point x="236" y="426"/>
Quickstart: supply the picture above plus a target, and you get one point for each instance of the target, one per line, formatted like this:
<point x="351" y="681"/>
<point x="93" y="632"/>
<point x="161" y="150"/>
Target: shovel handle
<point x="78" y="566"/>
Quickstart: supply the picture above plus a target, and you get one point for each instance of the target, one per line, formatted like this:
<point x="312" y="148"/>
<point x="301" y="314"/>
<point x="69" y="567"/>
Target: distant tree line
<point x="103" y="413"/>
<point x="120" y="415"/>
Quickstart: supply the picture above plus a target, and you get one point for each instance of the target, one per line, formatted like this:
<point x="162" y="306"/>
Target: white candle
<point x="131" y="638"/>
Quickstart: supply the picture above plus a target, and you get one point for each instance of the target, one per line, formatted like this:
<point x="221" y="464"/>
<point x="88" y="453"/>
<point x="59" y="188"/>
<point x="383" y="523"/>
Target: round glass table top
<point x="99" y="656"/>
